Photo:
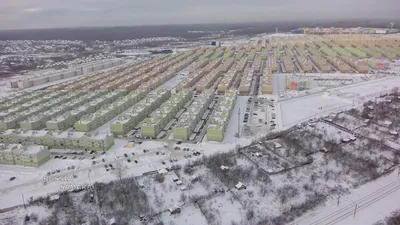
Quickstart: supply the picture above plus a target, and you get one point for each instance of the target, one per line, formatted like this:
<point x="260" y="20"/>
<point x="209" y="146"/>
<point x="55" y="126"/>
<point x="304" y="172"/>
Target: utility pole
<point x="239" y="122"/>
<point x="23" y="200"/>
<point x="338" y="200"/>
<point x="355" y="210"/>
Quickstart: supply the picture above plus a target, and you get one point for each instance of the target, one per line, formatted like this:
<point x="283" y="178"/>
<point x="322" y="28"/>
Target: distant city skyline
<point x="21" y="14"/>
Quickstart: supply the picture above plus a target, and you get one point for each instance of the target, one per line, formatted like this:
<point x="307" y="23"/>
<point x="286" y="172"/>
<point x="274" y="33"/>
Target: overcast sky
<point x="18" y="14"/>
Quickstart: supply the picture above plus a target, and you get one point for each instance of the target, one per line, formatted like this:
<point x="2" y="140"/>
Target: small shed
<point x="194" y="179"/>
<point x="277" y="145"/>
<point x="175" y="209"/>
<point x="112" y="221"/>
<point x="240" y="186"/>
<point x="162" y="171"/>
<point x="179" y="182"/>
<point x="224" y="168"/>
<point x="387" y="123"/>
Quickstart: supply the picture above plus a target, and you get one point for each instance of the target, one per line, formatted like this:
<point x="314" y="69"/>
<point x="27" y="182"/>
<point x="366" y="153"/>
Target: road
<point x="143" y="158"/>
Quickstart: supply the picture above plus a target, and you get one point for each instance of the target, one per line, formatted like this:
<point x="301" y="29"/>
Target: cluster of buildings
<point x="58" y="139"/>
<point x="67" y="119"/>
<point x="138" y="112"/>
<point x="188" y="120"/>
<point x="338" y="30"/>
<point x="106" y="112"/>
<point x="27" y="82"/>
<point x="13" y="117"/>
<point x="159" y="118"/>
<point x="297" y="83"/>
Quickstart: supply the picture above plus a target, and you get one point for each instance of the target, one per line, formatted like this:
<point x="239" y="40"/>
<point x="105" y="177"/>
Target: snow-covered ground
<point x="337" y="99"/>
<point x="374" y="200"/>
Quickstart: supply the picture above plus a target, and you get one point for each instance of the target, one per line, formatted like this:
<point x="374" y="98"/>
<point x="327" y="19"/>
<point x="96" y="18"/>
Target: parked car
<point x="12" y="178"/>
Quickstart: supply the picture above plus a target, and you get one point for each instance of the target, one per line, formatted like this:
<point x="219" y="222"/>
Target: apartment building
<point x="186" y="123"/>
<point x="220" y="118"/>
<point x="159" y="118"/>
<point x="18" y="154"/>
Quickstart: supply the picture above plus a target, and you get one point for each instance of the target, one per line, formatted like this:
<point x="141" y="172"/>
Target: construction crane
<point x="391" y="25"/>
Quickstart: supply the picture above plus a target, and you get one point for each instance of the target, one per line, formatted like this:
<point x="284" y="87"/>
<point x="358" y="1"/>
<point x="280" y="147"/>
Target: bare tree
<point x="120" y="169"/>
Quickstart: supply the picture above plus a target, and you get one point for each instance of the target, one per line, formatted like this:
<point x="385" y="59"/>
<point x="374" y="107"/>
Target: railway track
<point x="362" y="203"/>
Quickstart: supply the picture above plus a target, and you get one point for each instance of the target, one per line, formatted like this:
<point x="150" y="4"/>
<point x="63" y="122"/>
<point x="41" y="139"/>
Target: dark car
<point x="12" y="178"/>
<point x="126" y="155"/>
<point x="129" y="160"/>
<point x="133" y="153"/>
<point x="136" y="161"/>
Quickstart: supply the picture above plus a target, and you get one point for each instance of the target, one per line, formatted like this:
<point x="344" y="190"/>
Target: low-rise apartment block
<point x="158" y="119"/>
<point x="220" y="118"/>
<point x="134" y="115"/>
<point x="186" y="124"/>
<point x="18" y="154"/>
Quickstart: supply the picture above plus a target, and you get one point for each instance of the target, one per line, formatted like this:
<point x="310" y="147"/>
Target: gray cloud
<point x="18" y="14"/>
